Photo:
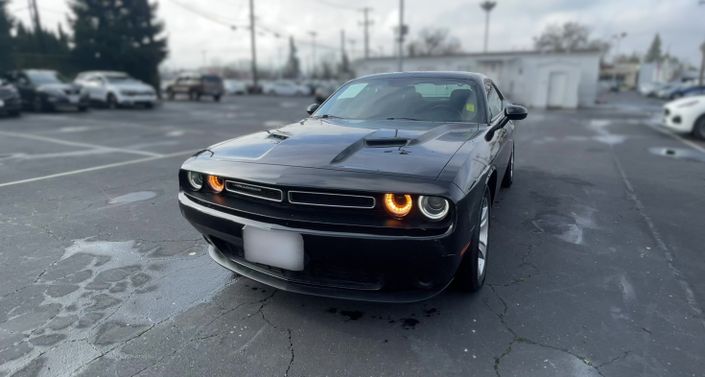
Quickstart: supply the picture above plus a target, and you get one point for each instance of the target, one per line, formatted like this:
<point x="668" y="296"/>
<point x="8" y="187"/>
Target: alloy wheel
<point x="483" y="239"/>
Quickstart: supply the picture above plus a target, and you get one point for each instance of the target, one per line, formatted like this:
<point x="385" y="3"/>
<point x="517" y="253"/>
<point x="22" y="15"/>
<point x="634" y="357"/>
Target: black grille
<point x="255" y="191"/>
<point x="322" y="199"/>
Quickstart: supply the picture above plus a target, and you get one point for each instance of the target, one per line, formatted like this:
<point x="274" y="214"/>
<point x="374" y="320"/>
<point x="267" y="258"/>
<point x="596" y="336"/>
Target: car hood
<point x="397" y="147"/>
<point x="685" y="100"/>
<point x="58" y="87"/>
<point x="131" y="86"/>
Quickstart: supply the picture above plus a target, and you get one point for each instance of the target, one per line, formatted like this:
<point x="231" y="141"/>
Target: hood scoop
<point x="277" y="135"/>
<point x="387" y="142"/>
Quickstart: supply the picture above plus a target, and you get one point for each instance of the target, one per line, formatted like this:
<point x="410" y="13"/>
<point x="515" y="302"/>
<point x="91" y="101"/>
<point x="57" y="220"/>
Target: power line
<point x="202" y="14"/>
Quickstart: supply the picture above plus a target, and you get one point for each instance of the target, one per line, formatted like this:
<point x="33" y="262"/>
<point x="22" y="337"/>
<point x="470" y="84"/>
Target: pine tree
<point x="6" y="42"/>
<point x="292" y="69"/>
<point x="118" y="35"/>
<point x="654" y="54"/>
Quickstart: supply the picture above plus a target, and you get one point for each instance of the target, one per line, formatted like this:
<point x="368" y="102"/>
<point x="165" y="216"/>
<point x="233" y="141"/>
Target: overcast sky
<point x="194" y="38"/>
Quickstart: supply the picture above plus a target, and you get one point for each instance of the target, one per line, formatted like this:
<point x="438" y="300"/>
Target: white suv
<point x="686" y="115"/>
<point x="116" y="89"/>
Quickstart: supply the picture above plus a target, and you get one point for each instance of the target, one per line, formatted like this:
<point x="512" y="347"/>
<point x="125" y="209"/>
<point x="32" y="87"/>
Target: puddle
<point x="133" y="197"/>
<point x="679" y="153"/>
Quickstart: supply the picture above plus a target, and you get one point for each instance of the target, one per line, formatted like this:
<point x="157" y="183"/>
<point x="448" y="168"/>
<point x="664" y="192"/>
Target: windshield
<point x="120" y="79"/>
<point x="407" y="98"/>
<point x="44" y="77"/>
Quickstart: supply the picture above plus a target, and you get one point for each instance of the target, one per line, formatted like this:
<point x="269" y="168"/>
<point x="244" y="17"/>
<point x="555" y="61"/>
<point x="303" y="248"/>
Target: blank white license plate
<point x="275" y="248"/>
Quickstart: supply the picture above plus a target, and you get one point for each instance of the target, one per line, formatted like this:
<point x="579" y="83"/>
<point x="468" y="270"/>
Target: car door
<point x="95" y="85"/>
<point x="503" y="138"/>
<point x="25" y="87"/>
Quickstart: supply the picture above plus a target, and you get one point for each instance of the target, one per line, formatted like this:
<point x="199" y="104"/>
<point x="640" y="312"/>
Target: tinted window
<point x="494" y="101"/>
<point x="44" y="77"/>
<point x="413" y="98"/>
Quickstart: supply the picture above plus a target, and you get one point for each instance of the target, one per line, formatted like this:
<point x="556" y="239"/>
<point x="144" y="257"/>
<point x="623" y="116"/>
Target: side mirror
<point x="311" y="108"/>
<point x="515" y="112"/>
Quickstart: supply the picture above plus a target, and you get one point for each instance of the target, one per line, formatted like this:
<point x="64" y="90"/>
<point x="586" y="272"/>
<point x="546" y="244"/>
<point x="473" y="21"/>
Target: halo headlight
<point x="195" y="180"/>
<point x="399" y="205"/>
<point x="216" y="183"/>
<point x="433" y="207"/>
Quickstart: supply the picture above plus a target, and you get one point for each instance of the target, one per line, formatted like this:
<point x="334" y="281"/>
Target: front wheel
<point x="38" y="104"/>
<point x="473" y="269"/>
<point x="111" y="101"/>
<point x="699" y="128"/>
<point x="216" y="98"/>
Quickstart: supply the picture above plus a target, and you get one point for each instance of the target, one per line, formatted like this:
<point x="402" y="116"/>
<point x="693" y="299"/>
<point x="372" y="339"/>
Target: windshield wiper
<point x="402" y="118"/>
<point x="324" y="116"/>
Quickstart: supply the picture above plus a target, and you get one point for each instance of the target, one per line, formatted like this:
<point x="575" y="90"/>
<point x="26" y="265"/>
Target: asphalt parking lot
<point x="596" y="264"/>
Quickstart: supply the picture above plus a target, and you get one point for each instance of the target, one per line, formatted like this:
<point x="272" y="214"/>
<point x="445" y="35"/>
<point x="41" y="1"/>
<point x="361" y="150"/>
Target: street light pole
<point x="487" y="6"/>
<point x="254" y="48"/>
<point x="401" y="35"/>
<point x="313" y="55"/>
<point x="618" y="37"/>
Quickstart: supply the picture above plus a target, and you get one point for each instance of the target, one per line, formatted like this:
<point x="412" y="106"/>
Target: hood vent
<point x="387" y="142"/>
<point x="277" y="135"/>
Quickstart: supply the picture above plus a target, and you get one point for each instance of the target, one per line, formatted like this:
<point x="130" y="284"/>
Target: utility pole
<point x="254" y="47"/>
<point x="366" y="27"/>
<point x="402" y="32"/>
<point x="342" y="44"/>
<point x="702" y="63"/>
<point x="487" y="6"/>
<point x="34" y="14"/>
<point x="618" y="37"/>
<point x="313" y="52"/>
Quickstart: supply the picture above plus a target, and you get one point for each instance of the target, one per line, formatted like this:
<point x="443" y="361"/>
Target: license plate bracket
<point x="276" y="248"/>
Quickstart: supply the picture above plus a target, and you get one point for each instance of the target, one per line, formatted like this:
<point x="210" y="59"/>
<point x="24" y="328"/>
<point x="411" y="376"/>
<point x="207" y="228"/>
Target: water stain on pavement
<point x="133" y="197"/>
<point x="96" y="296"/>
<point x="679" y="153"/>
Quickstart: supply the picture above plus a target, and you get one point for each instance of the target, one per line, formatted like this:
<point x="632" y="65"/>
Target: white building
<point x="532" y="78"/>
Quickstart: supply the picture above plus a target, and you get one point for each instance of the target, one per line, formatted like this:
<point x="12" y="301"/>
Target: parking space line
<point x="100" y="167"/>
<point x="78" y="144"/>
<point x="678" y="137"/>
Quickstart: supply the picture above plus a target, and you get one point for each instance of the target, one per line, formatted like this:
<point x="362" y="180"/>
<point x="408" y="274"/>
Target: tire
<point x="508" y="178"/>
<point x="38" y="105"/>
<point x="471" y="274"/>
<point x="699" y="128"/>
<point x="216" y="98"/>
<point x="111" y="101"/>
<point x="82" y="109"/>
<point x="14" y="114"/>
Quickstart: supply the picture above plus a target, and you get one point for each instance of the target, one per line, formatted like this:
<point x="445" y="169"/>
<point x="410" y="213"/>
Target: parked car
<point x="688" y="91"/>
<point x="686" y="115"/>
<point x="10" y="102"/>
<point x="284" y="88"/>
<point x="665" y="90"/>
<point x="324" y="90"/>
<point x="196" y="85"/>
<point x="114" y="89"/>
<point x="235" y="87"/>
<point x="47" y="90"/>
<point x="648" y="89"/>
<point x="384" y="193"/>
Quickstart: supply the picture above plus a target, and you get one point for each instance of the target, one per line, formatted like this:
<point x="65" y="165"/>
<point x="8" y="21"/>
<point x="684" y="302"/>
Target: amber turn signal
<point x="399" y="205"/>
<point x="216" y="183"/>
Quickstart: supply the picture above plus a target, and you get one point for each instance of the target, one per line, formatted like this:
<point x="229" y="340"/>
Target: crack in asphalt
<point x="520" y="339"/>
<point x="656" y="235"/>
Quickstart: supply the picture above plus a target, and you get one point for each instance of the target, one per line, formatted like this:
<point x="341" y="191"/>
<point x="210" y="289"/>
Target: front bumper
<point x="676" y="120"/>
<point x="356" y="266"/>
<point x="10" y="105"/>
<point x="67" y="103"/>
<point x="131" y="100"/>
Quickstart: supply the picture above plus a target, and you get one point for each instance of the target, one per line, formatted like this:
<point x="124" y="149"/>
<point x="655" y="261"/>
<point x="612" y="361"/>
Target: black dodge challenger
<point x="383" y="193"/>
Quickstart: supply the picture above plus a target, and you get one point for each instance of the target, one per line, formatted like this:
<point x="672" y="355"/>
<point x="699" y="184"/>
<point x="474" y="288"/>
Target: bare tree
<point x="571" y="36"/>
<point x="433" y="42"/>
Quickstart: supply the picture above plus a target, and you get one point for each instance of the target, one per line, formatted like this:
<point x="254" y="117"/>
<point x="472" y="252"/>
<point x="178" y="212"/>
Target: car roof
<point x="428" y="74"/>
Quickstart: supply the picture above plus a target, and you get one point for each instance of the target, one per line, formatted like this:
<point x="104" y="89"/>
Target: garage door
<point x="557" y="82"/>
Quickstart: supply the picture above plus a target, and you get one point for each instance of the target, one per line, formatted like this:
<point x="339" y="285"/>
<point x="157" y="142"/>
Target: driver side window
<point x="494" y="101"/>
